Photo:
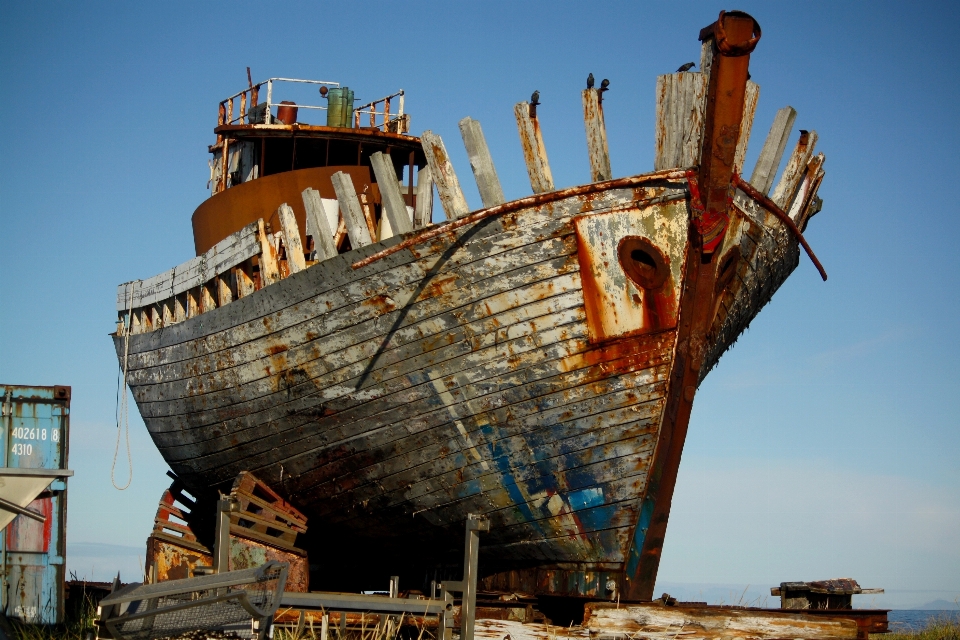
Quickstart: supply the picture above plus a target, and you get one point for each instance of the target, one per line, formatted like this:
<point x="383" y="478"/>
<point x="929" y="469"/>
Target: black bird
<point x="686" y="67"/>
<point x="590" y="81"/>
<point x="535" y="98"/>
<point x="604" y="85"/>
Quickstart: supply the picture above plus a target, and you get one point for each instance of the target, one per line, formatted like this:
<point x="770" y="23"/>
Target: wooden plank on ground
<point x="448" y="186"/>
<point x="746" y="123"/>
<point x="657" y="622"/>
<point x="534" y="153"/>
<point x="350" y="210"/>
<point x="773" y="147"/>
<point x="394" y="207"/>
<point x="491" y="193"/>
<point x="681" y="101"/>
<point x="796" y="168"/>
<point x="597" y="148"/>
<point x="423" y="214"/>
<point x="318" y="226"/>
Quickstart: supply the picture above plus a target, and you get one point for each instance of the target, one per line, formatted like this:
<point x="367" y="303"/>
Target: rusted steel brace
<point x="735" y="50"/>
<point x="530" y="201"/>
<point x="772" y="207"/>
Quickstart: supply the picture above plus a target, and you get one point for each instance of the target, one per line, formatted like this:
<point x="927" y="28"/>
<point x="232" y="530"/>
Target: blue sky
<point x="825" y="444"/>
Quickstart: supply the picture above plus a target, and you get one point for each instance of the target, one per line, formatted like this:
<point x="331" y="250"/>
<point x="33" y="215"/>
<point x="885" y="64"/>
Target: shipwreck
<point x="534" y="361"/>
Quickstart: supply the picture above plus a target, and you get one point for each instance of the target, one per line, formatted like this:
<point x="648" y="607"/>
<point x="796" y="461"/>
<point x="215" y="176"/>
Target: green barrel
<point x="347" y="97"/>
<point x="335" y="108"/>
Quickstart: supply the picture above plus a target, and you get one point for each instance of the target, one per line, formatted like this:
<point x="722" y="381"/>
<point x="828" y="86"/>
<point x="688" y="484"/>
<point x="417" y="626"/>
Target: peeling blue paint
<point x="639" y="534"/>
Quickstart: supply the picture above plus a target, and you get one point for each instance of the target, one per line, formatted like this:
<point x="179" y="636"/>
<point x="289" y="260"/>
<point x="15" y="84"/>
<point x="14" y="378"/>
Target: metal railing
<point x="398" y="124"/>
<point x="249" y="99"/>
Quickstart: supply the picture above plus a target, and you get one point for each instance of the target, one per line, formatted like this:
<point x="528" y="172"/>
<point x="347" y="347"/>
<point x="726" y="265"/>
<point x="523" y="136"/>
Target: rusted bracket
<point x="772" y="207"/>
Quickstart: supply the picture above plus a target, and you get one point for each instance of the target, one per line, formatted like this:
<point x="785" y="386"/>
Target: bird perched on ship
<point x="534" y="101"/>
<point x="590" y="81"/>
<point x="686" y="67"/>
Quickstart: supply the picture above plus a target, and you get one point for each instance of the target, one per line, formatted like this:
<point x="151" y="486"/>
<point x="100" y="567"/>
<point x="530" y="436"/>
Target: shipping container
<point x="33" y="499"/>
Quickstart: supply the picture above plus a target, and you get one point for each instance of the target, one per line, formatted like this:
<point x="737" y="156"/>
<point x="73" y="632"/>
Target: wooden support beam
<point x="224" y="288"/>
<point x="794" y="171"/>
<point x="269" y="269"/>
<point x="773" y="147"/>
<point x="423" y="214"/>
<point x="448" y="186"/>
<point x="750" y="99"/>
<point x="596" y="136"/>
<point x="193" y="302"/>
<point x="706" y="57"/>
<point x="394" y="206"/>
<point x="350" y="210"/>
<point x="799" y="210"/>
<point x="318" y="225"/>
<point x="167" y="312"/>
<point x="245" y="284"/>
<point x="681" y="103"/>
<point x="291" y="238"/>
<point x="534" y="153"/>
<point x="180" y="307"/>
<point x="208" y="301"/>
<point x="491" y="193"/>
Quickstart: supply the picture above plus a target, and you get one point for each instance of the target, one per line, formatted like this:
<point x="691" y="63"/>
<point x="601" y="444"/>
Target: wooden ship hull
<point x="534" y="361"/>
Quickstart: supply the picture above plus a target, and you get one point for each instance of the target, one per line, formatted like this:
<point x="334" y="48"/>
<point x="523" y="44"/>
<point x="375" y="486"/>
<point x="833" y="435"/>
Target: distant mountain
<point x="939" y="605"/>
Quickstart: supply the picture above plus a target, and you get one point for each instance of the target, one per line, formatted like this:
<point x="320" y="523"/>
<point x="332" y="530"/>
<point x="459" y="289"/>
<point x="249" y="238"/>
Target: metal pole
<point x="221" y="550"/>
<point x="266" y="117"/>
<point x="471" y="554"/>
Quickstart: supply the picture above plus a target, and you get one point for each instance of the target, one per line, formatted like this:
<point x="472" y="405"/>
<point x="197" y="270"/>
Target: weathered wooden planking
<point x="534" y="152"/>
<point x="488" y="262"/>
<point x="441" y="169"/>
<point x="652" y="620"/>
<point x="330" y="277"/>
<point x="771" y="253"/>
<point x="291" y="238"/>
<point x="550" y="385"/>
<point x="491" y="193"/>
<point x="706" y="57"/>
<point x="681" y="103"/>
<point x="318" y="225"/>
<point x="394" y="207"/>
<point x="597" y="149"/>
<point x="507" y="439"/>
<point x="512" y="630"/>
<point x="224" y="255"/>
<point x="800" y="204"/>
<point x="483" y="396"/>
<point x="423" y="213"/>
<point x="269" y="267"/>
<point x="794" y="171"/>
<point x="407" y="398"/>
<point x="768" y="163"/>
<point x="350" y="209"/>
<point x="750" y="99"/>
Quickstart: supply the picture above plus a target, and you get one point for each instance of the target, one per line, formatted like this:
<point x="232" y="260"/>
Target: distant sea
<point x="914" y="619"/>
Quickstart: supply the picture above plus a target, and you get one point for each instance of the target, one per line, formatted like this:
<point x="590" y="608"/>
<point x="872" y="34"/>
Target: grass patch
<point x="938" y="628"/>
